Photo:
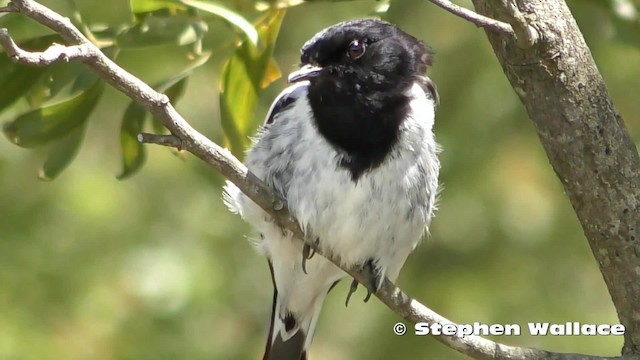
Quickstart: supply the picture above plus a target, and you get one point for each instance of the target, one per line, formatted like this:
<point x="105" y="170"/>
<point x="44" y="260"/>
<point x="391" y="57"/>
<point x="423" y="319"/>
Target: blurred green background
<point x="154" y="267"/>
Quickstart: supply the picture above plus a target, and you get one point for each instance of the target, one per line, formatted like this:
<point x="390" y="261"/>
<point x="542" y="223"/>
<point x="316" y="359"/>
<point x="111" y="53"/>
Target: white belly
<point x="382" y="216"/>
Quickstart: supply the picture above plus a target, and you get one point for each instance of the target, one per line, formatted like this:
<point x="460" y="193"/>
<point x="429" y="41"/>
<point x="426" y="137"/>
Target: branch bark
<point x="55" y="53"/>
<point x="586" y="141"/>
<point x="185" y="137"/>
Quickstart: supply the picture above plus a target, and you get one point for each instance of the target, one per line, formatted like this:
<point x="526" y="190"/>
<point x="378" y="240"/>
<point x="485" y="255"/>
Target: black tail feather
<point x="267" y="350"/>
<point x="293" y="348"/>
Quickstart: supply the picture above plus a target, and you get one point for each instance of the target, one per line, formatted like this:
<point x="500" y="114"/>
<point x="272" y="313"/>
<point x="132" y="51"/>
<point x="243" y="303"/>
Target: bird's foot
<point x="373" y="278"/>
<point x="372" y="281"/>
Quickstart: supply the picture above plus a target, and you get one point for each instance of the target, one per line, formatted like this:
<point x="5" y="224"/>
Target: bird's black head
<point x="372" y="53"/>
<point x="359" y="73"/>
<point x="368" y="52"/>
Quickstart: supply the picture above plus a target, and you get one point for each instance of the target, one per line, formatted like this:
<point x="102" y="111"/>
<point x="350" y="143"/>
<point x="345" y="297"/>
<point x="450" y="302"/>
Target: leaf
<point x="57" y="80"/>
<point x="62" y="81"/>
<point x="61" y="154"/>
<point x="169" y="60"/>
<point x="160" y="30"/>
<point x="175" y="89"/>
<point x="20" y="79"/>
<point x="230" y="16"/>
<point x="143" y="6"/>
<point x="110" y="13"/>
<point x="40" y="126"/>
<point x="249" y="70"/>
<point x="133" y="152"/>
<point x="272" y="73"/>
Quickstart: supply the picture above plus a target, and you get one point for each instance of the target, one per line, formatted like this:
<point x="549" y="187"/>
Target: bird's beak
<point x="305" y="73"/>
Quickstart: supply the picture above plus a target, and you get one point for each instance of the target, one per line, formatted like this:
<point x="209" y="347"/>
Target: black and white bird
<point x="350" y="147"/>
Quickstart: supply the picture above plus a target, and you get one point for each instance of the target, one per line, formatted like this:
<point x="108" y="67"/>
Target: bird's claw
<point x="372" y="278"/>
<point x="308" y="250"/>
<point x="372" y="281"/>
<point x="352" y="289"/>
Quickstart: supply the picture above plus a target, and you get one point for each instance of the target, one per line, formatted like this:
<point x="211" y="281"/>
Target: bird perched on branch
<point x="349" y="146"/>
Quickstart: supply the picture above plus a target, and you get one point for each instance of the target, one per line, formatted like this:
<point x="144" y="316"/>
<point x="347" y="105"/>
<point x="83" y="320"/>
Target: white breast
<point x="382" y="216"/>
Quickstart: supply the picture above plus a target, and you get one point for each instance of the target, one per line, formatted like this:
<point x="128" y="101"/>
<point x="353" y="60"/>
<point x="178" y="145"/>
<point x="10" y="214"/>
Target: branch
<point x="185" y="137"/>
<point x="475" y="18"/>
<point x="164" y="140"/>
<point x="518" y="26"/>
<point x="586" y="141"/>
<point x="55" y="53"/>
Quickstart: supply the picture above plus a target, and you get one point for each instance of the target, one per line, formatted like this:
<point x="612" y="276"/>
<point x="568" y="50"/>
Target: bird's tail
<point x="290" y="334"/>
<point x="292" y="326"/>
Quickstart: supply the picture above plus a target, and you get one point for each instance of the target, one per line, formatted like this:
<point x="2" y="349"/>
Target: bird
<point x="350" y="147"/>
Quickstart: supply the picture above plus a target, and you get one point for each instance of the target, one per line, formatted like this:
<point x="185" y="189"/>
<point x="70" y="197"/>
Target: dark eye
<point x="356" y="49"/>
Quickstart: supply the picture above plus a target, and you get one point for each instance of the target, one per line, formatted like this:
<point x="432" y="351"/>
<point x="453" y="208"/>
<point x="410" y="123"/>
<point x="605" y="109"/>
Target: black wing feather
<point x="286" y="98"/>
<point x="429" y="88"/>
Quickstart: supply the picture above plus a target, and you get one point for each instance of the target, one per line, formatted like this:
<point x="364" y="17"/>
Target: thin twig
<point x="475" y="18"/>
<point x="184" y="136"/>
<point x="164" y="140"/>
<point x="55" y="53"/>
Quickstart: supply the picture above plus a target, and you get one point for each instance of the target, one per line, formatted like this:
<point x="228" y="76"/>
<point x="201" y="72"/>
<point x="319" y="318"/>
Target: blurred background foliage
<point x="154" y="267"/>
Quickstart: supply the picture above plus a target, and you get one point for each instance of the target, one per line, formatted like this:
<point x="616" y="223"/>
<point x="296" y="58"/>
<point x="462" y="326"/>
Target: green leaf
<point x="161" y="30"/>
<point x="169" y="60"/>
<point x="174" y="59"/>
<point x="230" y="16"/>
<point x="61" y="154"/>
<point x="110" y="13"/>
<point x="133" y="152"/>
<point x="249" y="70"/>
<point x="63" y="79"/>
<point x="175" y="89"/>
<point x="143" y="6"/>
<point x="19" y="79"/>
<point x="40" y="126"/>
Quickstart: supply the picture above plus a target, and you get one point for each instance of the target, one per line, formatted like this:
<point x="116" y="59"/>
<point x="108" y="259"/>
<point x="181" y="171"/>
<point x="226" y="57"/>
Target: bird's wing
<point x="285" y="99"/>
<point x="429" y="88"/>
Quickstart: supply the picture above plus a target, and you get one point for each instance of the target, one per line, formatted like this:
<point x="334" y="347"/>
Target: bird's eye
<point x="356" y="49"/>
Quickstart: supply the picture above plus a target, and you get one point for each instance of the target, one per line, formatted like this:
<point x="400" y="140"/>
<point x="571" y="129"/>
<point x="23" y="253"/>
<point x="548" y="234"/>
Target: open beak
<point x="304" y="73"/>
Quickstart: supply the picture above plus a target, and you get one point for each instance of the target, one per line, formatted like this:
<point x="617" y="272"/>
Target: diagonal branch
<point x="185" y="137"/>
